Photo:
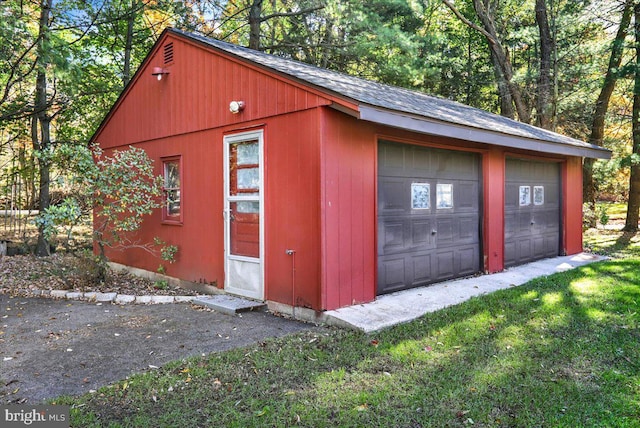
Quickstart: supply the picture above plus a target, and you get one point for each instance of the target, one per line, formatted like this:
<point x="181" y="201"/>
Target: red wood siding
<point x="292" y="210"/>
<point x="195" y="95"/>
<point x="186" y="114"/>
<point x="292" y="171"/>
<point x="348" y="177"/>
<point x="200" y="236"/>
<point x="493" y="172"/>
<point x="572" y="205"/>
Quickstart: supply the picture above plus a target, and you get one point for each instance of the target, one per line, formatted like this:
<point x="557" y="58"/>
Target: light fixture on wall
<point x="159" y="72"/>
<point x="236" y="106"/>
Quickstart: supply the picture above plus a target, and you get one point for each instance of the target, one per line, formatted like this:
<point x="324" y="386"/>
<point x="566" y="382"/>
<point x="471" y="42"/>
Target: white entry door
<point x="244" y="220"/>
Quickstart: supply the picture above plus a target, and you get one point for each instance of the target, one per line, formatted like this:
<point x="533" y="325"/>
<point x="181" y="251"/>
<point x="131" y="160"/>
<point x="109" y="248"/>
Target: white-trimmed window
<point x="172" y="206"/>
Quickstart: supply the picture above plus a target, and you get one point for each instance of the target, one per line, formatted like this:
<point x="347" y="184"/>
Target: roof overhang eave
<point x="467" y="133"/>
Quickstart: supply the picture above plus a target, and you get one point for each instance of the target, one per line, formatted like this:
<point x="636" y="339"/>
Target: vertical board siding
<point x="196" y="95"/>
<point x="187" y="114"/>
<point x="572" y="205"/>
<point x="293" y="209"/>
<point x="292" y="214"/>
<point x="493" y="172"/>
<point x="348" y="204"/>
<point x="200" y="237"/>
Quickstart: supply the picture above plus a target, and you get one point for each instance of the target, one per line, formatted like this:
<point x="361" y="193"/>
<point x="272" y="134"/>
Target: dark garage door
<point x="532" y="211"/>
<point x="428" y="215"/>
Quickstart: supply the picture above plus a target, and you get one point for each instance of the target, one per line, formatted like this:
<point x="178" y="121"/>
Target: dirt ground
<point x="59" y="347"/>
<point x="25" y="274"/>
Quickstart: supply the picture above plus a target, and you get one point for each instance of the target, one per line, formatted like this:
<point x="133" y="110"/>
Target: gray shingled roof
<point x="390" y="105"/>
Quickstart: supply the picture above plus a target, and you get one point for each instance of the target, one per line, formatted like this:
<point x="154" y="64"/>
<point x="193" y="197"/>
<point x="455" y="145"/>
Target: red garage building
<point x="293" y="184"/>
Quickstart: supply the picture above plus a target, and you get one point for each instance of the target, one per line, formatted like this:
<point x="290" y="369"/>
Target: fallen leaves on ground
<point x="27" y="275"/>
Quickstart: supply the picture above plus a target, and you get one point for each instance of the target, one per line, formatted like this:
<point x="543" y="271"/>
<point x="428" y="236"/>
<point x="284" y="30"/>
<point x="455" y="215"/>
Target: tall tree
<point x="257" y="14"/>
<point x="125" y="30"/>
<point x="50" y="78"/>
<point x="378" y="40"/>
<point x="633" y="206"/>
<point x="255" y="19"/>
<point x="41" y="121"/>
<point x="524" y="39"/>
<point x="17" y="78"/>
<point x="17" y="60"/>
<point x="134" y="10"/>
<point x="544" y="103"/>
<point x="508" y="91"/>
<point x="602" y="104"/>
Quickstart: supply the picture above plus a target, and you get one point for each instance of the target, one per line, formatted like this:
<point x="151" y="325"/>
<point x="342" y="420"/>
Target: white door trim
<point x="253" y="268"/>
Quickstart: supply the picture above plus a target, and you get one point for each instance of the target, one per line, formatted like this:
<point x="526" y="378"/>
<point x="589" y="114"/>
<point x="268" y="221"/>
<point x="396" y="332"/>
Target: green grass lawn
<point x="563" y="350"/>
<point x="611" y="241"/>
<point x="617" y="211"/>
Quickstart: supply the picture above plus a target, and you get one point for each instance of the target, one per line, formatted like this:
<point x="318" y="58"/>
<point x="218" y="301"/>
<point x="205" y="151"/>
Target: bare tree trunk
<point x="633" y="206"/>
<point x="255" y="19"/>
<point x="555" y="84"/>
<point x="506" y="102"/>
<point x="274" y="28"/>
<point x="501" y="59"/>
<point x="469" y="67"/>
<point x="501" y="62"/>
<point x="543" y="103"/>
<point x="589" y="186"/>
<point x="42" y="139"/>
<point x="128" y="44"/>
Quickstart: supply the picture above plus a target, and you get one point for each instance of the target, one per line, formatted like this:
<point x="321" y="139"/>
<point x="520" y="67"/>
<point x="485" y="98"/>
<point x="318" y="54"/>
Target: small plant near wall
<point x="161" y="284"/>
<point x="603" y="216"/>
<point x="167" y="252"/>
<point x="120" y="190"/>
<point x="589" y="217"/>
<point x="161" y="270"/>
<point x="596" y="215"/>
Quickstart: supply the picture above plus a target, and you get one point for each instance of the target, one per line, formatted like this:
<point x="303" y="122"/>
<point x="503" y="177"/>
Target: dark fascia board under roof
<point x="412" y="110"/>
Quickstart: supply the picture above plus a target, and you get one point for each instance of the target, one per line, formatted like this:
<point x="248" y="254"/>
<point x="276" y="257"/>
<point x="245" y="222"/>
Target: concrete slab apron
<point x="404" y="306"/>
<point x="228" y="304"/>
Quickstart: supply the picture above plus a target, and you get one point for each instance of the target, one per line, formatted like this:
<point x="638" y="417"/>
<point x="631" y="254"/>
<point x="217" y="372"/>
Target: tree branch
<point x="470" y="24"/>
<point x="285" y="14"/>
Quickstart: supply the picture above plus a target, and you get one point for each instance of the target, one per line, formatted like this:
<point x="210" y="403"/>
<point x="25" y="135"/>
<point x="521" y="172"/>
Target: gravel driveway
<point x="54" y="347"/>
